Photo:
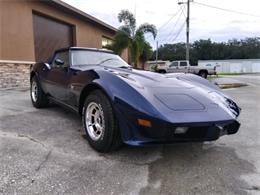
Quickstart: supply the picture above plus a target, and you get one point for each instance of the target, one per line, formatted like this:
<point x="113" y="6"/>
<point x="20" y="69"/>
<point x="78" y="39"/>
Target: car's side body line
<point x="74" y="109"/>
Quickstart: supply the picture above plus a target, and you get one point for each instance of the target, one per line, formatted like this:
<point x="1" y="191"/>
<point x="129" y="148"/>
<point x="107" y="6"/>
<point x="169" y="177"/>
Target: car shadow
<point x="189" y="168"/>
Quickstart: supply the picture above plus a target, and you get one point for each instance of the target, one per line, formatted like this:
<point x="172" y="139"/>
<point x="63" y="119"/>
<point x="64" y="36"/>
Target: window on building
<point x="106" y="41"/>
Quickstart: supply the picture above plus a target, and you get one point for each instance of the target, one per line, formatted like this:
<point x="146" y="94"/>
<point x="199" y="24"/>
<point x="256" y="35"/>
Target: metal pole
<point x="187" y="31"/>
<point x="156" y="53"/>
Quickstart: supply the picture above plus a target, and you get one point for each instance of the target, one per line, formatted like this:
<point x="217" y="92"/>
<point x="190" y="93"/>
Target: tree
<point x="132" y="38"/>
<point x="146" y="54"/>
<point x="208" y="50"/>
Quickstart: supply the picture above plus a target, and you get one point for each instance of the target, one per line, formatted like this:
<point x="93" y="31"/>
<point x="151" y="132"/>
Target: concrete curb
<point x="231" y="85"/>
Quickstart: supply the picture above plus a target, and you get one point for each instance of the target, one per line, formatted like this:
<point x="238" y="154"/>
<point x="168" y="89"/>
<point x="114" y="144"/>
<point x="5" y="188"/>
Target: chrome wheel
<point x="94" y="121"/>
<point x="34" y="91"/>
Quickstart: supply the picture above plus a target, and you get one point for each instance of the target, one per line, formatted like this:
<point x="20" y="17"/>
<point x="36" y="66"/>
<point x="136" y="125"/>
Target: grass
<point x="235" y="74"/>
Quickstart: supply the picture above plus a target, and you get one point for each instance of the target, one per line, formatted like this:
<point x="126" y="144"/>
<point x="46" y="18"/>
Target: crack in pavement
<point x="44" y="161"/>
<point x="7" y="134"/>
<point x="31" y="139"/>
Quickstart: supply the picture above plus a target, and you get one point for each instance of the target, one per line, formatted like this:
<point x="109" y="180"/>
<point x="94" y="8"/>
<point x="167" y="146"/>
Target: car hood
<point x="177" y="97"/>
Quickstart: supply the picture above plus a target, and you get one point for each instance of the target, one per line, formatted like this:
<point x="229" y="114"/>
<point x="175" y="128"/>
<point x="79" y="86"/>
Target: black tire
<point x="203" y="74"/>
<point x="162" y="71"/>
<point x="110" y="138"/>
<point x="41" y="99"/>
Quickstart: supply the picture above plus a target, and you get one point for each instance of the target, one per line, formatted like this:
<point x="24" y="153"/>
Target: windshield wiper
<point x="126" y="67"/>
<point x="106" y="60"/>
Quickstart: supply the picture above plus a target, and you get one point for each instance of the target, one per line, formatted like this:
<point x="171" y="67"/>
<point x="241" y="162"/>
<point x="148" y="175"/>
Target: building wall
<point x="14" y="74"/>
<point x="17" y="30"/>
<point x="17" y="40"/>
<point x="233" y="65"/>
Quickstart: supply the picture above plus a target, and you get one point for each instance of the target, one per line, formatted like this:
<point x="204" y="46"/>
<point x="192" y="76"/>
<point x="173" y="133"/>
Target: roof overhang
<point x="78" y="13"/>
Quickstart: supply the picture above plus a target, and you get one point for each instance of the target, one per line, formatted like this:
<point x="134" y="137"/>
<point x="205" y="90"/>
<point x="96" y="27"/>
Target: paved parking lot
<point x="45" y="152"/>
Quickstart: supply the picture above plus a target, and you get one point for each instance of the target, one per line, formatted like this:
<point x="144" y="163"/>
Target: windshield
<point x="87" y="57"/>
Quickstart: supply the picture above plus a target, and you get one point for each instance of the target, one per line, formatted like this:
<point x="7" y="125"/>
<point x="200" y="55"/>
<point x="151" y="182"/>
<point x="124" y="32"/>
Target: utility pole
<point x="156" y="57"/>
<point x="188" y="32"/>
<point x="187" y="29"/>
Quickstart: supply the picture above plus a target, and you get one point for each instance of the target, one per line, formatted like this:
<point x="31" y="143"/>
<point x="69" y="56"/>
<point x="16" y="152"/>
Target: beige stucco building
<point x="30" y="30"/>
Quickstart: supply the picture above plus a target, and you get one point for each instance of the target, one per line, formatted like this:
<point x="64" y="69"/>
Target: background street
<point x="44" y="152"/>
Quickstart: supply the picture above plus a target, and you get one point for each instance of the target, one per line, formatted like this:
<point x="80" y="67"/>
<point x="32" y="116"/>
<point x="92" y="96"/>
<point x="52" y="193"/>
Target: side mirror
<point x="47" y="66"/>
<point x="59" y="62"/>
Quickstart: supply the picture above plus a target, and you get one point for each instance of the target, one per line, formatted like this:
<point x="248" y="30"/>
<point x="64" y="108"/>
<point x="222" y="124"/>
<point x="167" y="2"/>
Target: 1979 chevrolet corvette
<point x="121" y="105"/>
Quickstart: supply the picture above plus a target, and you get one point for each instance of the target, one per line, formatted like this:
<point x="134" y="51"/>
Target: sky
<point x="169" y="17"/>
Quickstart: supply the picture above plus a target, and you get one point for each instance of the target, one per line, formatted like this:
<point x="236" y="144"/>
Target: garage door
<point x="49" y="35"/>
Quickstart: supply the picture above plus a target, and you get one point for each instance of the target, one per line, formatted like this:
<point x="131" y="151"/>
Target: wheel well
<point x="86" y="91"/>
<point x="162" y="71"/>
<point x="32" y="75"/>
<point x="203" y="70"/>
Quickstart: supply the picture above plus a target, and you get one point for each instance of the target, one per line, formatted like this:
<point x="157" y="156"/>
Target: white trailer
<point x="233" y="65"/>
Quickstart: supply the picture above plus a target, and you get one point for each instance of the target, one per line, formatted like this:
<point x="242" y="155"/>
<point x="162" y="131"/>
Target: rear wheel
<point x="38" y="97"/>
<point x="203" y="74"/>
<point x="100" y="123"/>
<point x="162" y="71"/>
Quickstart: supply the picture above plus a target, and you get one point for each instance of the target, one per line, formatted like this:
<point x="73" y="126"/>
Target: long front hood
<point x="181" y="98"/>
<point x="176" y="98"/>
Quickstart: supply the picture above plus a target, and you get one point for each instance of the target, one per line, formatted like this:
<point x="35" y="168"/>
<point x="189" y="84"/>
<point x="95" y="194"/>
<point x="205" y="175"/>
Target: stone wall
<point x="14" y="75"/>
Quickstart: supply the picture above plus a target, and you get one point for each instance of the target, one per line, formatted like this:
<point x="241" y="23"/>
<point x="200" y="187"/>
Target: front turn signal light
<point x="145" y="123"/>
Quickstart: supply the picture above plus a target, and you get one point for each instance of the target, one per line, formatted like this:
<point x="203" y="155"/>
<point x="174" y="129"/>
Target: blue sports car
<point x="119" y="104"/>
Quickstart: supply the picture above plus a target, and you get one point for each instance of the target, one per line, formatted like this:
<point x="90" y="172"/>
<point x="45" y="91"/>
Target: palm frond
<point x="148" y="28"/>
<point x="121" y="42"/>
<point x="125" y="29"/>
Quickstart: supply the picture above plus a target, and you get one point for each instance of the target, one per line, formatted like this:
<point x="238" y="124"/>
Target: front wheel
<point x="100" y="123"/>
<point x="38" y="97"/>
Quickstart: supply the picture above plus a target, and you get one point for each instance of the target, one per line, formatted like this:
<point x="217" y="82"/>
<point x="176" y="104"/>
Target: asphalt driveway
<point x="45" y="152"/>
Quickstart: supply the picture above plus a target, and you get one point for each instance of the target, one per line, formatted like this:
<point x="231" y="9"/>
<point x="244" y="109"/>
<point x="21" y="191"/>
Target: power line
<point x="179" y="32"/>
<point x="167" y="22"/>
<point x="183" y="11"/>
<point x="227" y="10"/>
<point x="172" y="33"/>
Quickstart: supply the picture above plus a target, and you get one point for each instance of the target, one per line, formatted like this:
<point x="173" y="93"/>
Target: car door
<point x="58" y="77"/>
<point x="183" y="66"/>
<point x="173" y="67"/>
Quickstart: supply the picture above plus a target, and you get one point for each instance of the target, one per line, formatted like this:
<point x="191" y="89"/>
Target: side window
<point x="63" y="57"/>
<point x="174" y="64"/>
<point x="183" y="63"/>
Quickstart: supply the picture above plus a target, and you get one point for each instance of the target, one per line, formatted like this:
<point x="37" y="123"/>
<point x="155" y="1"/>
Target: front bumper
<point x="167" y="133"/>
<point x="163" y="131"/>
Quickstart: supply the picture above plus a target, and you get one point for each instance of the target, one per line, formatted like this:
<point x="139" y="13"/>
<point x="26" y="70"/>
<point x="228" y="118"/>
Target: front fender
<point x="121" y="91"/>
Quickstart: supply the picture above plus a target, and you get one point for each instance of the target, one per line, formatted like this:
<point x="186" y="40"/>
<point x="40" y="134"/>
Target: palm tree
<point x="132" y="38"/>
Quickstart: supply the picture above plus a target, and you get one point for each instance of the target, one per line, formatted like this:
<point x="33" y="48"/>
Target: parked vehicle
<point x="185" y="67"/>
<point x="154" y="65"/>
<point x="121" y="105"/>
